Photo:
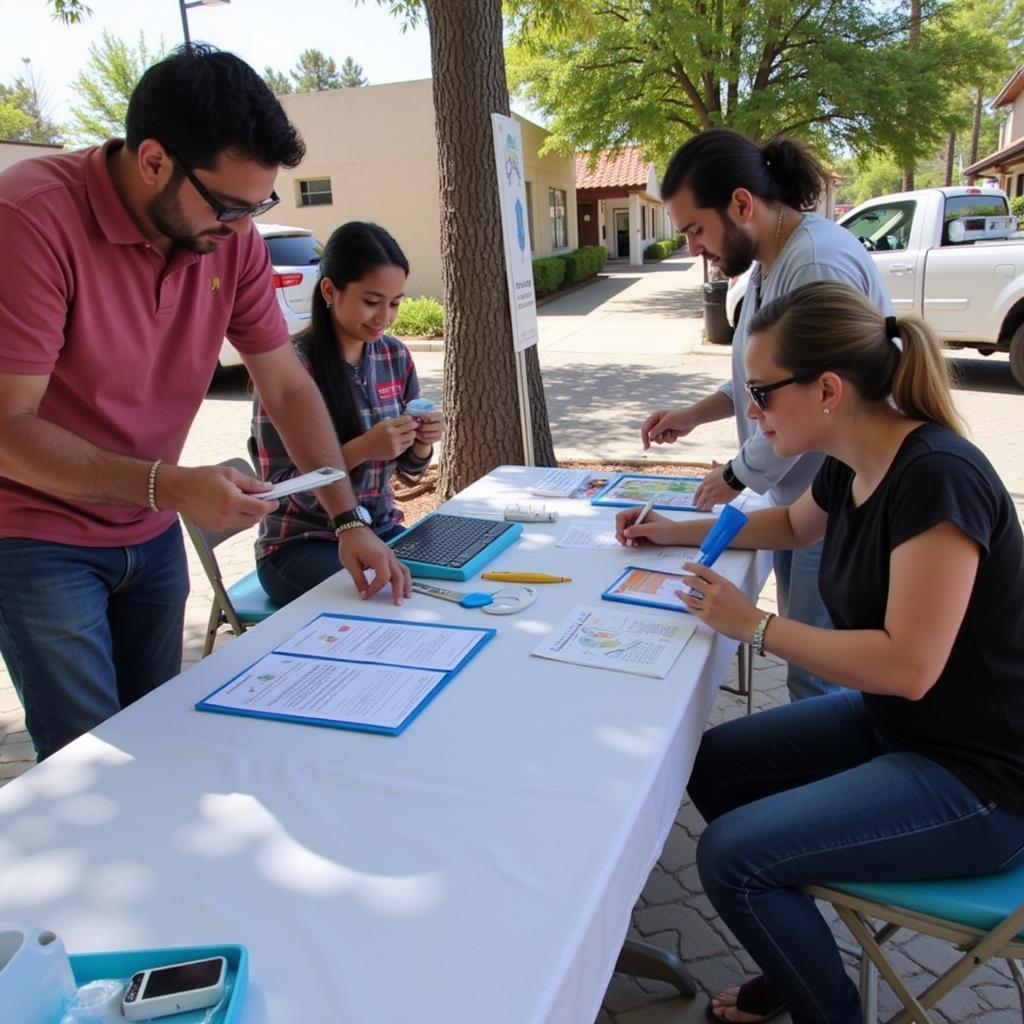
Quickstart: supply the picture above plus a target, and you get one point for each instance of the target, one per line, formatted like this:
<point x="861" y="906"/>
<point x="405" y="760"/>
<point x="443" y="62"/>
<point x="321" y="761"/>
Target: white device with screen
<point x="176" y="988"/>
<point x="306" y="482"/>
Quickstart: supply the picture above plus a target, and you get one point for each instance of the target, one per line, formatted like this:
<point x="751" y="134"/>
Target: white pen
<point x="643" y="513"/>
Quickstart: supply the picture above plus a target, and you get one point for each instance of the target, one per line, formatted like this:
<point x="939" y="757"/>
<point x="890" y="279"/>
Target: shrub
<point x="659" y="250"/>
<point x="419" y="318"/>
<point x="548" y="275"/>
<point x="1017" y="208"/>
<point x="680" y="241"/>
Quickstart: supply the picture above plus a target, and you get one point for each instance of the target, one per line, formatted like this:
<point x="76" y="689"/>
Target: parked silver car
<point x="295" y="255"/>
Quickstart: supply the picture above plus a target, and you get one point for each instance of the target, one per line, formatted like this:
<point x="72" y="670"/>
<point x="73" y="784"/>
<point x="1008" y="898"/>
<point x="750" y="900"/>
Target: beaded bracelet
<point x="151" y="490"/>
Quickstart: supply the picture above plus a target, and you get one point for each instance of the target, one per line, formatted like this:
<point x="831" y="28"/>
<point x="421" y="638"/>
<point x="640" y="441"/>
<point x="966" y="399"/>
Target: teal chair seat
<point x="982" y="916"/>
<point x="981" y="902"/>
<point x="250" y="600"/>
<point x="244" y="603"/>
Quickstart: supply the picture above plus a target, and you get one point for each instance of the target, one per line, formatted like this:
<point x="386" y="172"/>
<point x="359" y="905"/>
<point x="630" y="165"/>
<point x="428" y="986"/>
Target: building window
<point x="315" y="192"/>
<point x="556" y="212"/>
<point x="529" y="213"/>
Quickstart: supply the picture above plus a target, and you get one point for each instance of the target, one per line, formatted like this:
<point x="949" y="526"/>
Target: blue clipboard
<point x="333" y="723"/>
<point x="607" y="496"/>
<point x="675" y="605"/>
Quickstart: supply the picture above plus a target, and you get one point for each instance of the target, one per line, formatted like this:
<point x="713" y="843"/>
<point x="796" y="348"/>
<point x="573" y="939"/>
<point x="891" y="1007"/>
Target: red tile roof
<point x="616" y="168"/>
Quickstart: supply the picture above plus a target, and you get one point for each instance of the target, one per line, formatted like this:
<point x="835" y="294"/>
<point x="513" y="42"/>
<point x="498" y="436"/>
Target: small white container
<point x="35" y="975"/>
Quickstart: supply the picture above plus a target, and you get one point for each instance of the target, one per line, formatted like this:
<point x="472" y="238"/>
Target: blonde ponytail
<point x="921" y="383"/>
<point x="826" y="325"/>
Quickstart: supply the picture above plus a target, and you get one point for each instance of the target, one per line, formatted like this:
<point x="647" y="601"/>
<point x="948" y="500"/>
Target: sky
<point x="261" y="32"/>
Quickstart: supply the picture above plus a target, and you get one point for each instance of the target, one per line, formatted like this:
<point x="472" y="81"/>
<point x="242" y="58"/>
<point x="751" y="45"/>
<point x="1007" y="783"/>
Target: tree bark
<point x="976" y="127"/>
<point x="480" y="397"/>
<point x="950" y="155"/>
<point x="914" y="35"/>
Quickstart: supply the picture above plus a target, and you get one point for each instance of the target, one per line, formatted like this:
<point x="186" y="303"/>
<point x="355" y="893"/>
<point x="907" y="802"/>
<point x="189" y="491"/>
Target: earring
<point x="327" y="303"/>
<point x="826" y="410"/>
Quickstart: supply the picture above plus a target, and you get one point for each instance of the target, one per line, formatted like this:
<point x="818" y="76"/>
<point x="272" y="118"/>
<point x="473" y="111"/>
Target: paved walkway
<point x="611" y="352"/>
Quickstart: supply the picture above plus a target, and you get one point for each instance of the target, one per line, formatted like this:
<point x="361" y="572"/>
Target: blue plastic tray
<point x="123" y="964"/>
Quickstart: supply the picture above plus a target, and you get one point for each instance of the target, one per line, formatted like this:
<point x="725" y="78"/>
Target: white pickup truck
<point x="950" y="256"/>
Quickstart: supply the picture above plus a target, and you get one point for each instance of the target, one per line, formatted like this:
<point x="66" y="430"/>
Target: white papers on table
<point x="621" y="641"/>
<point x="351" y="672"/>
<point x="677" y="556"/>
<point x="560" y="483"/>
<point x="285" y="686"/>
<point x="381" y="642"/>
<point x="588" y="537"/>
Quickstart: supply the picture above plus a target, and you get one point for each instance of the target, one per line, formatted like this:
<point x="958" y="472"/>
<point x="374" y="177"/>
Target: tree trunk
<point x="950" y="154"/>
<point x="480" y="397"/>
<point x="975" y="127"/>
<point x="914" y="37"/>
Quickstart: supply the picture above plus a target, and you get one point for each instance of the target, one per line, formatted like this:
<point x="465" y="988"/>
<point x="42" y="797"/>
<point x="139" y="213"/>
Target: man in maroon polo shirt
<point x="126" y="266"/>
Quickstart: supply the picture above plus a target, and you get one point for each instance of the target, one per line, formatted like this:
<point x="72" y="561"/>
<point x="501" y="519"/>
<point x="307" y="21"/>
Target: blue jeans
<point x="289" y="572"/>
<point x="796" y="577"/>
<point x="86" y="631"/>
<point x="809" y="793"/>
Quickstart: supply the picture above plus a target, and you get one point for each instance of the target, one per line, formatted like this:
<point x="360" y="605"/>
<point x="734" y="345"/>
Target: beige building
<point x="14" y="152"/>
<point x="371" y="155"/>
<point x="619" y="204"/>
<point x="1006" y="164"/>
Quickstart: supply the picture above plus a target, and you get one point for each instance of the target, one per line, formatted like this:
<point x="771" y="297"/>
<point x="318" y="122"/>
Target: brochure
<point x="617" y="640"/>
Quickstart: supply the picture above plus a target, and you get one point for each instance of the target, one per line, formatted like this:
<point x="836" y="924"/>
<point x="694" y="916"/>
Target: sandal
<point x="757" y="996"/>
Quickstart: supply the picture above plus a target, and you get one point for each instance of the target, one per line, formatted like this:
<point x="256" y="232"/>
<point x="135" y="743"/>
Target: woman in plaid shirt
<point x="367" y="377"/>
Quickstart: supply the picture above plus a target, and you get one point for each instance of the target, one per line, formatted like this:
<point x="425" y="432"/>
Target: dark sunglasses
<point x="759" y="392"/>
<point x="225" y="214"/>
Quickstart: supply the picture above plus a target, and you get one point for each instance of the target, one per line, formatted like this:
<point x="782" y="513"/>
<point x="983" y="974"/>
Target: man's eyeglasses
<point x="759" y="392"/>
<point x="225" y="214"/>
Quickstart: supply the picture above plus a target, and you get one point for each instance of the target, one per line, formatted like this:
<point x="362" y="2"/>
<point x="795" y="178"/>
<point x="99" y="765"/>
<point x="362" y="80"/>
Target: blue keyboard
<point x="450" y="547"/>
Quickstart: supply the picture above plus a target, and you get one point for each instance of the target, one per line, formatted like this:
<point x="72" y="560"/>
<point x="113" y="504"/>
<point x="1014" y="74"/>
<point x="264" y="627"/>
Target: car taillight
<point x="974" y="191"/>
<point x="287" y="280"/>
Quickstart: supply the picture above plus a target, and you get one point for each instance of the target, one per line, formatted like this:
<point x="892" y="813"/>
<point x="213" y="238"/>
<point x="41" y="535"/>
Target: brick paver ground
<point x="609" y="353"/>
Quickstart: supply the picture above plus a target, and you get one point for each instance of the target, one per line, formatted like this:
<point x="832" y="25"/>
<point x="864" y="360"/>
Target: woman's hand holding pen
<point x="654" y="528"/>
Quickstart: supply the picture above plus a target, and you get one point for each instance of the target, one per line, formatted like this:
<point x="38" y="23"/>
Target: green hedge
<point x="659" y="250"/>
<point x="419" y="318"/>
<point x="680" y="241"/>
<point x="548" y="275"/>
<point x="1017" y="208"/>
<point x="583" y="263"/>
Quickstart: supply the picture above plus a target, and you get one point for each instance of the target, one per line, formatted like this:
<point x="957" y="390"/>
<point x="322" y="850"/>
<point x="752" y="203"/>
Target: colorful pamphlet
<point x="620" y="641"/>
<point x="666" y="492"/>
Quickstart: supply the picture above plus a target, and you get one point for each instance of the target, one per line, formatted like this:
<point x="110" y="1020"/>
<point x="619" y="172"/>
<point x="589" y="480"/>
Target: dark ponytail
<point x="718" y="161"/>
<point x="352" y="251"/>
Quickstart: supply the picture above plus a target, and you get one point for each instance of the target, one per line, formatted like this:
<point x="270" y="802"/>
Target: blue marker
<point x="729" y="523"/>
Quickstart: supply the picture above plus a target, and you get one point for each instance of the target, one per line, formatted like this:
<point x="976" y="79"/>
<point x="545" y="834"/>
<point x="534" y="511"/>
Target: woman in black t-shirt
<point x="916" y="770"/>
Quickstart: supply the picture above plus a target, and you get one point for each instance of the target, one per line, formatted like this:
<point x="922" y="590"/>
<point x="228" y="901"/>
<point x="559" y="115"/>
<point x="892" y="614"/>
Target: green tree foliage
<point x="654" y="72"/>
<point x="315" y="72"/>
<point x="352" y="74"/>
<point x="105" y="85"/>
<point x="23" y="117"/>
<point x="280" y="84"/>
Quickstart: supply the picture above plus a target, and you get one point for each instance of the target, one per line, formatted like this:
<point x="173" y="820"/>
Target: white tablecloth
<point x="481" y="866"/>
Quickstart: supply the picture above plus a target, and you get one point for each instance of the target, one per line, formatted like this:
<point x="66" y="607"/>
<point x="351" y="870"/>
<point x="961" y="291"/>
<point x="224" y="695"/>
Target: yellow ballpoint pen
<point x="524" y="577"/>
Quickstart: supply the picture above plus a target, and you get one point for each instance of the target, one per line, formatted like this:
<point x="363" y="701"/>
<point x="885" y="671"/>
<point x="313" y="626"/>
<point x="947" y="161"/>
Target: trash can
<point x="716" y="323"/>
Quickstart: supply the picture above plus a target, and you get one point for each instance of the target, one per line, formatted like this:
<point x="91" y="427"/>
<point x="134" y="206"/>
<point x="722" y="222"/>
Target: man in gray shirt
<point x="740" y="204"/>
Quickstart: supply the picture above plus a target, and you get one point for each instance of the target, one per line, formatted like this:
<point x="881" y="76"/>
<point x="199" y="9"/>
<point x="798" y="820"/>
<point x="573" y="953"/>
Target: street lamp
<point x="195" y="3"/>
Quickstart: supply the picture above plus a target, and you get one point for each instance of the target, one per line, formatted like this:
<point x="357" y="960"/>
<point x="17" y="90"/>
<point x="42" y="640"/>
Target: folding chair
<point x="983" y="917"/>
<point x="244" y="603"/>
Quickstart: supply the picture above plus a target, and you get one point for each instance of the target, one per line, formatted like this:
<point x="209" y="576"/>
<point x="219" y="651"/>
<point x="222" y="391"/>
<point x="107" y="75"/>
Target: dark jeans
<point x="290" y="571"/>
<point x="807" y="793"/>
<point x="86" y="631"/>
